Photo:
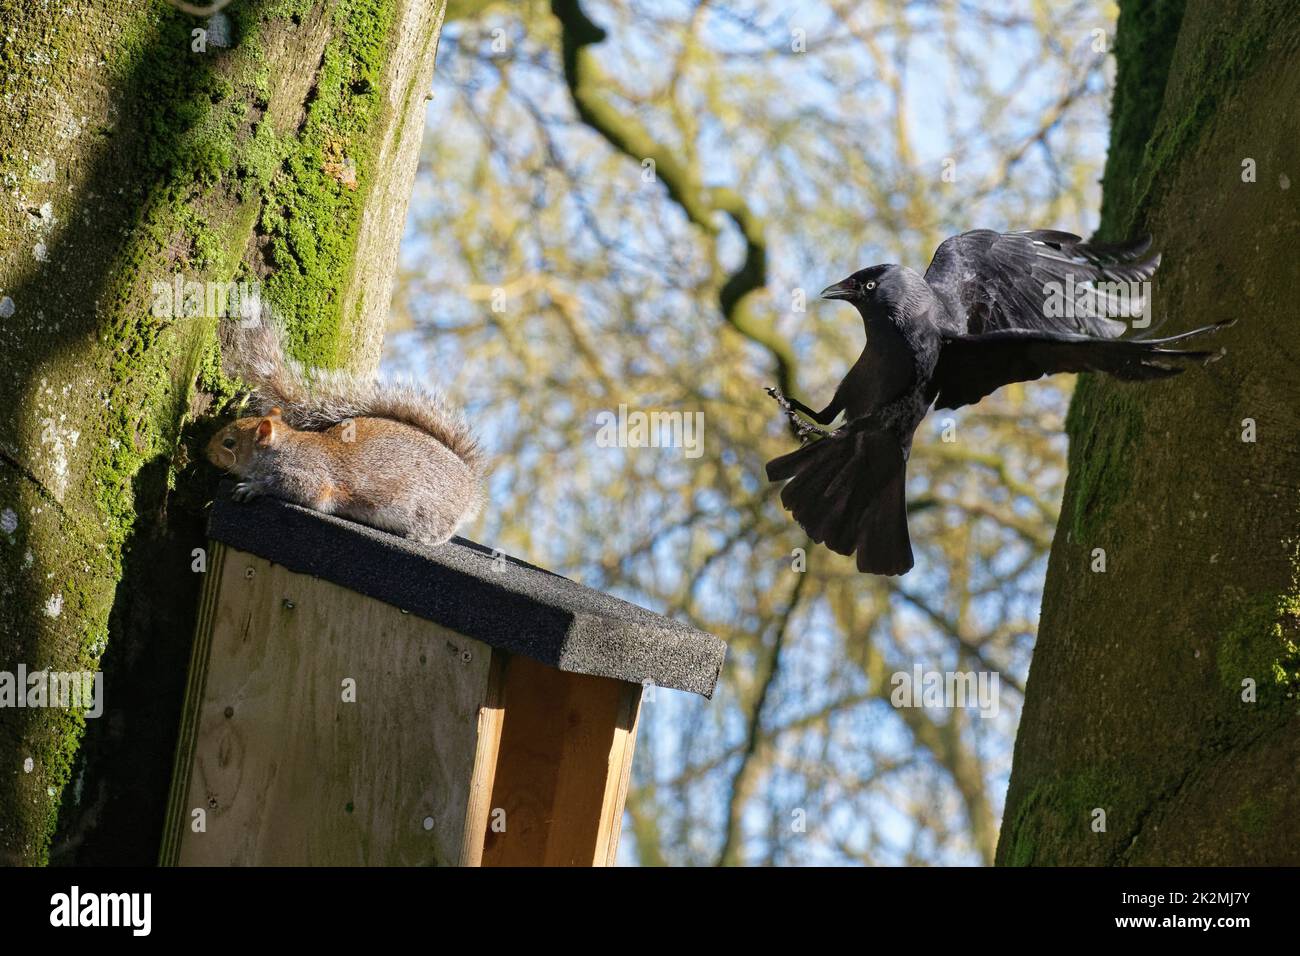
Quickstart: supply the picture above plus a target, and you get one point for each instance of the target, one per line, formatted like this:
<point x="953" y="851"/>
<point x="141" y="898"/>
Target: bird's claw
<point x="803" y="429"/>
<point x="784" y="402"/>
<point x="780" y="399"/>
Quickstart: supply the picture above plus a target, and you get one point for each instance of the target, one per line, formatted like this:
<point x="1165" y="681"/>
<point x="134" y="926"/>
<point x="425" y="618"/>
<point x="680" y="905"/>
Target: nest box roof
<point x="504" y="603"/>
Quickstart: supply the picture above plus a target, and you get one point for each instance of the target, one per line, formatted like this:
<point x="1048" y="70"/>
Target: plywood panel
<point x="565" y="752"/>
<point x="287" y="771"/>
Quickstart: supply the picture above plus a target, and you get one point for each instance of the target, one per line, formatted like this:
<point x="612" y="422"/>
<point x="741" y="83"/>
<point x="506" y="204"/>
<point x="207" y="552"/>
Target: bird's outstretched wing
<point x="972" y="366"/>
<point x="1043" y="280"/>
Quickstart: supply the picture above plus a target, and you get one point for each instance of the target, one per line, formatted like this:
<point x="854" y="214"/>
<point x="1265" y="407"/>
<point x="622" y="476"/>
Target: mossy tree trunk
<point x="1165" y="690"/>
<point x="130" y="155"/>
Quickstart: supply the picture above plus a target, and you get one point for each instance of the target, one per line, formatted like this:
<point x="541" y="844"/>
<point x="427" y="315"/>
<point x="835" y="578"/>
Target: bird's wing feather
<point x="972" y="366"/>
<point x="1042" y="280"/>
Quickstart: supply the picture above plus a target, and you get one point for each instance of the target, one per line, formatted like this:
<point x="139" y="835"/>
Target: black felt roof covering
<point x="521" y="609"/>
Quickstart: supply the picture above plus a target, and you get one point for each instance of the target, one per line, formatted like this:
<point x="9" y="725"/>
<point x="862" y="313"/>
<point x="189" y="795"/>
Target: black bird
<point x="992" y="309"/>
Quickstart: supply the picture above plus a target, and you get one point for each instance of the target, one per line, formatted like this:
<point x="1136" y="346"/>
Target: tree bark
<point x="129" y="155"/>
<point x="1139" y="702"/>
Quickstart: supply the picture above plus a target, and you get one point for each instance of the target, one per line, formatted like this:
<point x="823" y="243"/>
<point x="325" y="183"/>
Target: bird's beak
<point x="840" y="290"/>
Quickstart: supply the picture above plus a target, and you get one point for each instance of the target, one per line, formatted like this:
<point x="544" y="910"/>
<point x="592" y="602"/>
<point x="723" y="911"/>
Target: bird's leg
<point x="803" y="430"/>
<point x="789" y="405"/>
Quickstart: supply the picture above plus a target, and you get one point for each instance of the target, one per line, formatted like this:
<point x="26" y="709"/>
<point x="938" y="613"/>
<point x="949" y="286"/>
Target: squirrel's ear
<point x="274" y="413"/>
<point x="265" y="432"/>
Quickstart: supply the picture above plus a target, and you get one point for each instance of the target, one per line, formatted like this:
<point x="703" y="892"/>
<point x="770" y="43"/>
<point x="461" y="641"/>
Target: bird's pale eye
<point x="870" y="285"/>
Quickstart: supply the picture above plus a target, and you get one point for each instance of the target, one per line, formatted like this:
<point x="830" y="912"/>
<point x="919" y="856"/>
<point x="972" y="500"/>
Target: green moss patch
<point x="1054" y="820"/>
<point x="1104" y="424"/>
<point x="1263" y="643"/>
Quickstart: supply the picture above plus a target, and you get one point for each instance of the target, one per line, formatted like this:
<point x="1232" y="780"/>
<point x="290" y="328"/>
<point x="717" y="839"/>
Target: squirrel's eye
<point x="870" y="285"/>
<point x="228" y="443"/>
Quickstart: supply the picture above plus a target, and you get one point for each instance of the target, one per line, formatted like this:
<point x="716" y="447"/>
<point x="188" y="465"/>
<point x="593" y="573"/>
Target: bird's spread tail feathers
<point x="319" y="399"/>
<point x="847" y="491"/>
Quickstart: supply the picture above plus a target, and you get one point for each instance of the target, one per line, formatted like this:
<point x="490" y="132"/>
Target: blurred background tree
<point x="635" y="204"/>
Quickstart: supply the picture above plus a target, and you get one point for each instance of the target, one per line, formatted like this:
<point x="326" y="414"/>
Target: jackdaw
<point x="992" y="309"/>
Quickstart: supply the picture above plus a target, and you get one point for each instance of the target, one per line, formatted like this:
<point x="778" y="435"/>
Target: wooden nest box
<point x="358" y="699"/>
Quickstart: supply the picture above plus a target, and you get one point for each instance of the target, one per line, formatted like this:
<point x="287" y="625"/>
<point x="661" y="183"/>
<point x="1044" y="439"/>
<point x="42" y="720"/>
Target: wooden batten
<point x="563" y="764"/>
<point x="491" y="718"/>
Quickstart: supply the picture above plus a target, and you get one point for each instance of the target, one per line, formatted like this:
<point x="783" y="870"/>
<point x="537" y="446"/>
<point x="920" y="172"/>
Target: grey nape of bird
<point x="981" y="317"/>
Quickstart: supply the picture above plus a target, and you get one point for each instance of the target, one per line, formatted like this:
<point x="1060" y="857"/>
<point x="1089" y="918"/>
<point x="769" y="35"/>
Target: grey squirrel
<point x="388" y="455"/>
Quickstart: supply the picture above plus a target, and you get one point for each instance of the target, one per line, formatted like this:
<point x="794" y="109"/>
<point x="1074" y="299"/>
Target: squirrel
<point x="392" y="456"/>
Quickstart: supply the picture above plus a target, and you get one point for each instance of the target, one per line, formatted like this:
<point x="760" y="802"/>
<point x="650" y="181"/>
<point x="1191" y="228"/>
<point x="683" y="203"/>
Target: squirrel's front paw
<point x="245" y="491"/>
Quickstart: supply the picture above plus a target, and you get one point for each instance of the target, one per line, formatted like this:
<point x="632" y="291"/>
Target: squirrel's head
<point x="235" y="446"/>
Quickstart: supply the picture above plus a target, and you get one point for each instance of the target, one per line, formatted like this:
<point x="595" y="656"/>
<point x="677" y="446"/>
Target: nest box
<point x="358" y="699"/>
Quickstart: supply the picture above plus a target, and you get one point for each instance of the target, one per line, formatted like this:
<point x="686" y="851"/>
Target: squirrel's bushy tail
<point x="318" y="399"/>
